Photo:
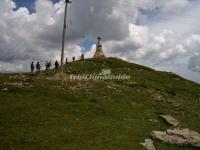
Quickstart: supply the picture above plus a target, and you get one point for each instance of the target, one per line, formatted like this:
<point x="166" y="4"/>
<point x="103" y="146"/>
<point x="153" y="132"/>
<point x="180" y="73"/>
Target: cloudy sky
<point x="162" y="34"/>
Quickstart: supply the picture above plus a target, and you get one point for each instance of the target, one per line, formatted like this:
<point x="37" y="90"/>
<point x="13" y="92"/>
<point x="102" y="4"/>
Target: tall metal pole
<point x="63" y="35"/>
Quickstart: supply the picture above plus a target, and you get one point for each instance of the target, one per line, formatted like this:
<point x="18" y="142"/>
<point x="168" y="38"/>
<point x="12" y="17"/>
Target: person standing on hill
<point x="56" y="65"/>
<point x="73" y="58"/>
<point x="82" y="56"/>
<point x="38" y="66"/>
<point x="49" y="65"/>
<point x="66" y="61"/>
<point x="32" y="67"/>
<point x="46" y="65"/>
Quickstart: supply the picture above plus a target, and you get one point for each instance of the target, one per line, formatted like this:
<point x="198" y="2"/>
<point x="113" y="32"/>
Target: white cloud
<point x="171" y="5"/>
<point x="142" y="44"/>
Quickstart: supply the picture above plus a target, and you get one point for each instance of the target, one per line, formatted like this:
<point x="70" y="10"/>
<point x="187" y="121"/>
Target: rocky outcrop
<point x="181" y="137"/>
<point x="19" y="81"/>
<point x="170" y="120"/>
<point x="177" y="135"/>
<point x="193" y="137"/>
<point x="19" y="77"/>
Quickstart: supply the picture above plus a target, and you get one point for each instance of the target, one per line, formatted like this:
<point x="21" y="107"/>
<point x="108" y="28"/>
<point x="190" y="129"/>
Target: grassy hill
<point x="40" y="112"/>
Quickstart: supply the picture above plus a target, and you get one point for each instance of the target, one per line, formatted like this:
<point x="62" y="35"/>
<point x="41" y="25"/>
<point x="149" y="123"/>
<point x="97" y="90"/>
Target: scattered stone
<point x="127" y="69"/>
<point x="178" y="136"/>
<point x="181" y="137"/>
<point x="19" y="77"/>
<point x="158" y="97"/>
<point x="60" y="77"/>
<point x="170" y="120"/>
<point x="19" y="80"/>
<point x="17" y="84"/>
<point x="149" y="144"/>
<point x="153" y="120"/>
<point x="178" y="107"/>
<point x="109" y="87"/>
<point x="5" y="90"/>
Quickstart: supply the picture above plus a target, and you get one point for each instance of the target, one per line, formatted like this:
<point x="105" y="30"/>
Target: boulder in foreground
<point x="181" y="137"/>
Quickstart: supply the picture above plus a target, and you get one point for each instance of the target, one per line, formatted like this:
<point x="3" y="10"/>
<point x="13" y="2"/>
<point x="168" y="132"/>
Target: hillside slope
<point x="40" y="112"/>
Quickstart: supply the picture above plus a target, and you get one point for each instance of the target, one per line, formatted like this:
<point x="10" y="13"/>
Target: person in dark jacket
<point x="66" y="61"/>
<point x="32" y="67"/>
<point x="46" y="65"/>
<point x="49" y="65"/>
<point x="38" y="66"/>
<point x="56" y="65"/>
<point x="73" y="58"/>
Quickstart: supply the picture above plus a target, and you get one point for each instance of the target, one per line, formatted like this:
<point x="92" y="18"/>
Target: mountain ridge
<point x="43" y="111"/>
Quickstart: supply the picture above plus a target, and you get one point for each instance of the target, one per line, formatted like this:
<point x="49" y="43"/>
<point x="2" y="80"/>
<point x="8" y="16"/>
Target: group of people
<point x="37" y="66"/>
<point x="48" y="64"/>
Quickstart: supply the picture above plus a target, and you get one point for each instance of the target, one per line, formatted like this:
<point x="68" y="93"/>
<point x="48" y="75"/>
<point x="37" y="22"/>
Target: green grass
<point x="94" y="115"/>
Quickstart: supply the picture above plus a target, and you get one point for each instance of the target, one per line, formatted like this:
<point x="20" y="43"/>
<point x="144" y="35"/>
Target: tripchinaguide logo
<point x="105" y="74"/>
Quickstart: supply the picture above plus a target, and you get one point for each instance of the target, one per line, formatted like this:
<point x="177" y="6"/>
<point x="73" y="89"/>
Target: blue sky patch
<point x="29" y="4"/>
<point x="87" y="44"/>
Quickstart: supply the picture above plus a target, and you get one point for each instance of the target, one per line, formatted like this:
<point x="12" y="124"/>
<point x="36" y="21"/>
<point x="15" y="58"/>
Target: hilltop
<point x="41" y="111"/>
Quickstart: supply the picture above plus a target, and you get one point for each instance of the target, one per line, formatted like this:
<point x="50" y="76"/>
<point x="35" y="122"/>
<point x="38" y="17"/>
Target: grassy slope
<point x="88" y="115"/>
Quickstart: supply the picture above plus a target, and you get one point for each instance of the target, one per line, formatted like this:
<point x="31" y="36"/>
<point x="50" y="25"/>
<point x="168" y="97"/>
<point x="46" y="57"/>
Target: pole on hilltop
<point x="63" y="35"/>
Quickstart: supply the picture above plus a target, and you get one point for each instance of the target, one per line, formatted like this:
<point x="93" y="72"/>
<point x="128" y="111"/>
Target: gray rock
<point x="170" y="139"/>
<point x="17" y="84"/>
<point x="192" y="137"/>
<point x="149" y="144"/>
<point x="181" y="137"/>
<point x="170" y="120"/>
